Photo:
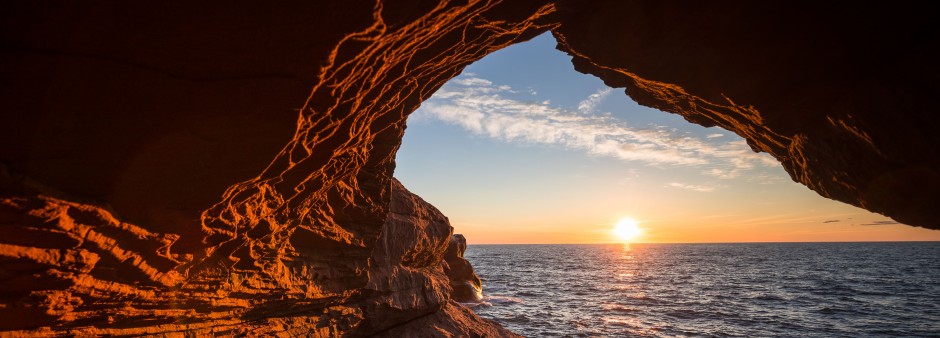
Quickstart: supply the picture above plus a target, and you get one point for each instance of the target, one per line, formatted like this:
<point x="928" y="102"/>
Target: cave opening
<point x="540" y="167"/>
<point x="210" y="174"/>
<point x="521" y="148"/>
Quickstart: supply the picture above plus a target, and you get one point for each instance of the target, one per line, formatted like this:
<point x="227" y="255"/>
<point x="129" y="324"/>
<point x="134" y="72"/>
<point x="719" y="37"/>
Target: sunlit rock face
<point x="227" y="169"/>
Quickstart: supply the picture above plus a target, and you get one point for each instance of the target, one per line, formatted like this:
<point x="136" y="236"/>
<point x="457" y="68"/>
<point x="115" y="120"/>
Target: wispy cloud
<point x="474" y="81"/>
<point x="485" y="108"/>
<point x="881" y="223"/>
<point x="831" y="221"/>
<point x="588" y="105"/>
<point x="714" y="135"/>
<point x="764" y="178"/>
<point x="693" y="187"/>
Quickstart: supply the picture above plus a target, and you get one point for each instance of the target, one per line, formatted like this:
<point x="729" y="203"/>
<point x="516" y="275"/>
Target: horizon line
<point x="754" y="242"/>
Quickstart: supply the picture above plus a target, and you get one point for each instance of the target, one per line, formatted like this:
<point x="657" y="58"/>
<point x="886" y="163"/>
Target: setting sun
<point x="627" y="229"/>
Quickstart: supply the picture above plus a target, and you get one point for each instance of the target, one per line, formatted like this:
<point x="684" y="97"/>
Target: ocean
<point x="712" y="290"/>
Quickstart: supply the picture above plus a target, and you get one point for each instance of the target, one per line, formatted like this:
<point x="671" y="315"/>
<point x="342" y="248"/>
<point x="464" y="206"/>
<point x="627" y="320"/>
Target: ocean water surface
<point x="716" y="290"/>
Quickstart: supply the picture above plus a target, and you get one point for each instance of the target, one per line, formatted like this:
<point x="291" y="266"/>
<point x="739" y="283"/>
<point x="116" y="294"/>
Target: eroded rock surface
<point x="227" y="168"/>
<point x="454" y="320"/>
<point x="464" y="281"/>
<point x="249" y="149"/>
<point x="407" y="279"/>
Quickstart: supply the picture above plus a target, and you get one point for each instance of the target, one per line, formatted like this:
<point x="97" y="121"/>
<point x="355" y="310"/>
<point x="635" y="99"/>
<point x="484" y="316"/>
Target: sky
<point x="521" y="148"/>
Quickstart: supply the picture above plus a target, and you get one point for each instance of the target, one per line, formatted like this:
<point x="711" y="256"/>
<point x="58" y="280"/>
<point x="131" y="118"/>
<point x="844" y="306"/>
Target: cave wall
<point x="841" y="95"/>
<point x="227" y="169"/>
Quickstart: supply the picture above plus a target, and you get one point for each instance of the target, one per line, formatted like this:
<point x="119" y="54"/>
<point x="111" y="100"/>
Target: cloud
<point x="474" y="81"/>
<point x="737" y="158"/>
<point x="764" y="178"/>
<point x="880" y="223"/>
<point x="483" y="108"/>
<point x="587" y="105"/>
<point x="714" y="135"/>
<point x="831" y="221"/>
<point x="693" y="187"/>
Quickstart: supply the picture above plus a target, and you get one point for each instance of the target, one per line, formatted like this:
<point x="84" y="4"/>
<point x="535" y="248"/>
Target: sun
<point x="627" y="229"/>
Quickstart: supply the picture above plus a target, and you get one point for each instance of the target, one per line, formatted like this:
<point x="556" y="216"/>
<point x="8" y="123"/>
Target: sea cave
<point x="208" y="169"/>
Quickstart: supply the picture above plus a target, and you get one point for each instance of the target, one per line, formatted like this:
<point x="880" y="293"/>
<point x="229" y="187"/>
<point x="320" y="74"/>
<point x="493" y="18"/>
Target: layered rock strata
<point x="408" y="279"/>
<point x="227" y="168"/>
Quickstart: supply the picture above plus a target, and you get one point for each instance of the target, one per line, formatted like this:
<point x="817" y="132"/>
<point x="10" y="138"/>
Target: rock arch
<point x="168" y="169"/>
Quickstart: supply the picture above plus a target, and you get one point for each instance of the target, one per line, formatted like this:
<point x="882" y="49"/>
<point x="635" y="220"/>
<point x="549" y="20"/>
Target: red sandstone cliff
<point x="227" y="168"/>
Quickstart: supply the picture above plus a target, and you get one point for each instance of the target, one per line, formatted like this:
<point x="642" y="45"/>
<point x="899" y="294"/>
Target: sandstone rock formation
<point x="453" y="320"/>
<point x="839" y="95"/>
<point x="407" y="279"/>
<point x="227" y="168"/>
<point x="466" y="285"/>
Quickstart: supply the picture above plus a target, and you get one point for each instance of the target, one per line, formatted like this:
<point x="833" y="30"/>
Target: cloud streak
<point x="693" y="187"/>
<point x="588" y="105"/>
<point x="483" y="108"/>
<point x="880" y="223"/>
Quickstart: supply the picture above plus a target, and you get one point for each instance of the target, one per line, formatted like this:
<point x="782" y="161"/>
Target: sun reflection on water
<point x="638" y="289"/>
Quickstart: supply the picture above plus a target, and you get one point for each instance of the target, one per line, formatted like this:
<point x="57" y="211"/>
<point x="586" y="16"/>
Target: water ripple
<point x="715" y="290"/>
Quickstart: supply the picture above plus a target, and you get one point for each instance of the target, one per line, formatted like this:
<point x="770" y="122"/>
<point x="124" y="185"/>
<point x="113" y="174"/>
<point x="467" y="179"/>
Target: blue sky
<point x="521" y="148"/>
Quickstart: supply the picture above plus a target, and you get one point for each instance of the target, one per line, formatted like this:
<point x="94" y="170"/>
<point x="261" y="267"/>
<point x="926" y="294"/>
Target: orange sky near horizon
<point x="570" y="209"/>
<point x="830" y="222"/>
<point x="664" y="232"/>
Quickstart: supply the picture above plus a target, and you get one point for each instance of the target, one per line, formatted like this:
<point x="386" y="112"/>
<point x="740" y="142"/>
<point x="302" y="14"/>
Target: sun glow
<point x="627" y="229"/>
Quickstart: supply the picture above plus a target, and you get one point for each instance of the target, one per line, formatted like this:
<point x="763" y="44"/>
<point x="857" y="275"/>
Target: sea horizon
<point x="754" y="242"/>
